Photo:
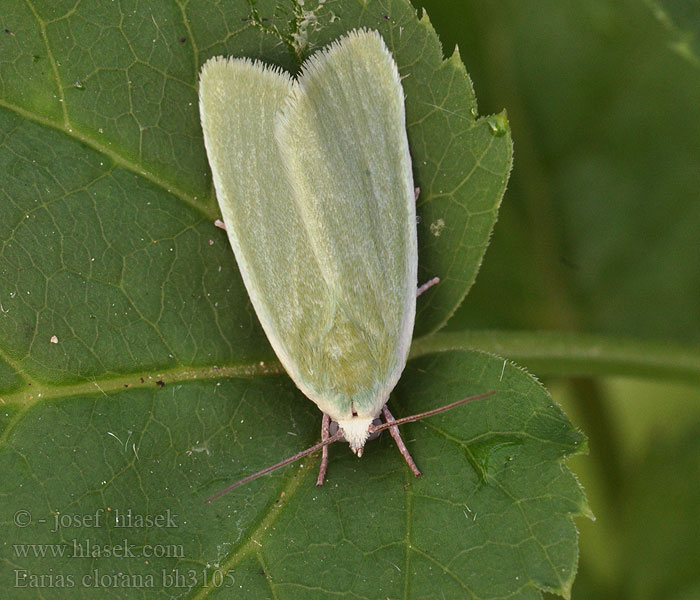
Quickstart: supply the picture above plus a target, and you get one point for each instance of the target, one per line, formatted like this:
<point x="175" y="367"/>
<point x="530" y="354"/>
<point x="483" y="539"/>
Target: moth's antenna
<point x="286" y="461"/>
<point x="428" y="413"/>
<point x="338" y="435"/>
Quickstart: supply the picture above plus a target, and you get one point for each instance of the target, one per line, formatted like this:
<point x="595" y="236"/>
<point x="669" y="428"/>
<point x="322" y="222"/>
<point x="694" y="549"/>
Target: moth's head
<point x="356" y="431"/>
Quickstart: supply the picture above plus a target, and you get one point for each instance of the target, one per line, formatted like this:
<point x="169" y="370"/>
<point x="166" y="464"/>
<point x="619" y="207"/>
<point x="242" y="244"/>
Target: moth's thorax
<point x="356" y="431"/>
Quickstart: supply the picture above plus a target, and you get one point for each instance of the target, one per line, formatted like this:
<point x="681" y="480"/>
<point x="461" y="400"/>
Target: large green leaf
<point x="134" y="373"/>
<point x="490" y="517"/>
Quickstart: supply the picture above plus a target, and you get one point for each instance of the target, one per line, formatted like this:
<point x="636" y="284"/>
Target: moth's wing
<point x="326" y="243"/>
<point x="342" y="138"/>
<point x="238" y="101"/>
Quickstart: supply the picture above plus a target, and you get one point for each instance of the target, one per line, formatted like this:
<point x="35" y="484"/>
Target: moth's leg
<point x="325" y="434"/>
<point x="435" y="280"/>
<point x="220" y="224"/>
<point x="427" y="285"/>
<point x="394" y="431"/>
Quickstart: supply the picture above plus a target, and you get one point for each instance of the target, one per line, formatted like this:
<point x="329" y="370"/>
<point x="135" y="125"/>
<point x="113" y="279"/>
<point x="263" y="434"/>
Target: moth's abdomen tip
<point x="356" y="432"/>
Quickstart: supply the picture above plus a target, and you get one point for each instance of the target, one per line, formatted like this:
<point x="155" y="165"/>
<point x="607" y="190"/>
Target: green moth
<point x="313" y="177"/>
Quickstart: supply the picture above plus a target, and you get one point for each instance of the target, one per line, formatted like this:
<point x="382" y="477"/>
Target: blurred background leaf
<point x="682" y="19"/>
<point x="599" y="232"/>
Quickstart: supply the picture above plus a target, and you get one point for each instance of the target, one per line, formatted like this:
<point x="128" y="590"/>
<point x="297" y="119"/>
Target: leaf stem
<point x="545" y="353"/>
<point x="559" y="353"/>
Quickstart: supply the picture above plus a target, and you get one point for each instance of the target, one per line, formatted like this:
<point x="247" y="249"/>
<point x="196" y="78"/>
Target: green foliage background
<point x="599" y="231"/>
<point x="162" y="388"/>
<point x="135" y="378"/>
